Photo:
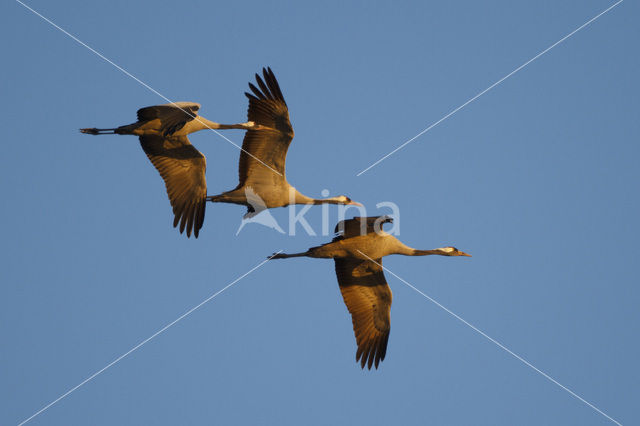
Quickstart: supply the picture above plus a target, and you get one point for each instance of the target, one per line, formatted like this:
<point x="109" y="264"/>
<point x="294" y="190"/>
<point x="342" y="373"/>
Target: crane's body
<point x="357" y="252"/>
<point x="358" y="248"/>
<point x="264" y="153"/>
<point x="163" y="131"/>
<point x="176" y="119"/>
<point x="370" y="246"/>
<point x="274" y="194"/>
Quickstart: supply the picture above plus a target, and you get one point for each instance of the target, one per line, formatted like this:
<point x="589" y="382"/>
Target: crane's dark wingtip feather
<point x="265" y="89"/>
<point x="266" y="74"/>
<point x="258" y="94"/>
<point x="385" y="342"/>
<point x="359" y="353"/>
<point x="183" y="221"/>
<point x="274" y="87"/>
<point x="268" y="86"/>
<point x="189" y="221"/>
<point x="197" y="221"/>
<point x="200" y="212"/>
<point x="192" y="217"/>
<point x="372" y="352"/>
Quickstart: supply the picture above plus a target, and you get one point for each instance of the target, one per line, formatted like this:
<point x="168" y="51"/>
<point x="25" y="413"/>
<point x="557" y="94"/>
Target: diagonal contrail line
<point x="136" y="347"/>
<point x="188" y="113"/>
<point x="494" y="341"/>
<point x="490" y="87"/>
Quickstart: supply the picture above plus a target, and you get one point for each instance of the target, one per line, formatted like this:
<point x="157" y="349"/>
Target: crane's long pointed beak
<point x="464" y="254"/>
<point x="354" y="203"/>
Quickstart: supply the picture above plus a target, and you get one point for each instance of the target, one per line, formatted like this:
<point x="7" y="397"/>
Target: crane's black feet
<point x="94" y="131"/>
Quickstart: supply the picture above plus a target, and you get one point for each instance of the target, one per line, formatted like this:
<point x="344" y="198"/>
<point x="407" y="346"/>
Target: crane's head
<point x="343" y="199"/>
<point x="451" y="251"/>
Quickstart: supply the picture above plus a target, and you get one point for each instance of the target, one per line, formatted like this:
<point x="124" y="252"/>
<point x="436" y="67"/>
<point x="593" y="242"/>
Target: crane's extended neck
<point x="201" y="123"/>
<point x="416" y="252"/>
<point x="444" y="251"/>
<point x="395" y="246"/>
<point x="340" y="199"/>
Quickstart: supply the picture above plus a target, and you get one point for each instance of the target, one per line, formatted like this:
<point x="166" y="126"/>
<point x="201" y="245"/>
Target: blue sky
<point x="538" y="179"/>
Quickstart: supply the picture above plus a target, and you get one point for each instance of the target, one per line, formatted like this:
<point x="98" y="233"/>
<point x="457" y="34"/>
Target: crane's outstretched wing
<point x="368" y="298"/>
<point x="266" y="146"/>
<point x="172" y="116"/>
<point x="183" y="169"/>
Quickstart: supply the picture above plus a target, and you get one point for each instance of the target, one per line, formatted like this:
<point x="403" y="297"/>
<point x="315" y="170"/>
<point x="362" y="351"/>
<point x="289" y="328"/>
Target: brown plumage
<point x="368" y="299"/>
<point x="357" y="252"/>
<point x="267" y="108"/>
<point x="264" y="153"/>
<point x="163" y="131"/>
<point x="183" y="169"/>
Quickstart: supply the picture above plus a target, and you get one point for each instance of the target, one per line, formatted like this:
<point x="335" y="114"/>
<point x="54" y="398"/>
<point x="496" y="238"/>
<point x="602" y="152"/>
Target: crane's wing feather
<point x="368" y="297"/>
<point x="172" y="116"/>
<point x="267" y="108"/>
<point x="183" y="168"/>
<point x="360" y="226"/>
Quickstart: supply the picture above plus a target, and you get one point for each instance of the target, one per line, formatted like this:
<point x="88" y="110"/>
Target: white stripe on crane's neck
<point x="446" y="249"/>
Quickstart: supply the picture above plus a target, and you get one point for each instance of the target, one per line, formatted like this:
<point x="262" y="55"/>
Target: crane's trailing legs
<point x="94" y="131"/>
<point x="286" y="256"/>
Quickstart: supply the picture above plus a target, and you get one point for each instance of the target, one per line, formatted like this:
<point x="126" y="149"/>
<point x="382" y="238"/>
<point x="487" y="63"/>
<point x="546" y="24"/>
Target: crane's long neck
<point x="415" y="252"/>
<point x="201" y="123"/>
<point x="398" y="247"/>
<point x="303" y="199"/>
